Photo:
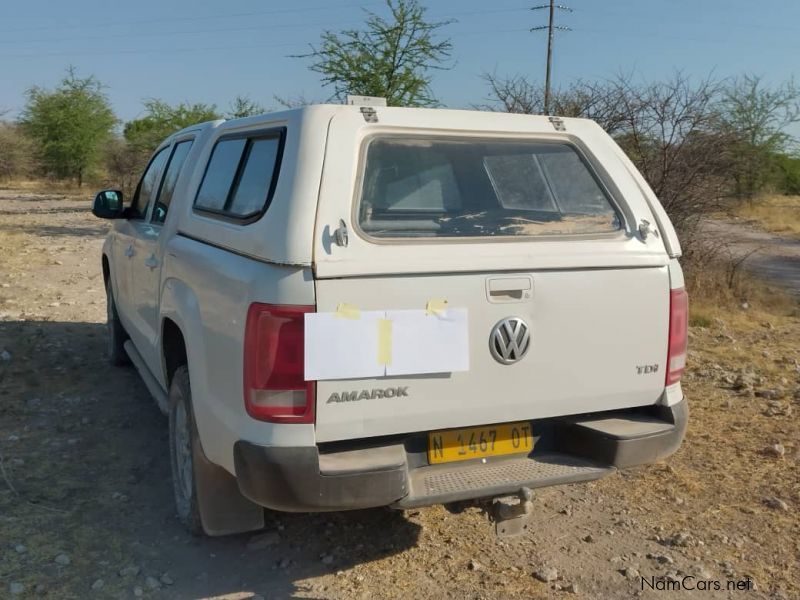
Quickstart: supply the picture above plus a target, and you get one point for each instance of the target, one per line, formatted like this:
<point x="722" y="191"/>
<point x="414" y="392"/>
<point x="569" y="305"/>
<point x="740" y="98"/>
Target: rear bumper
<point x="290" y="479"/>
<point x="623" y="440"/>
<point x="576" y="449"/>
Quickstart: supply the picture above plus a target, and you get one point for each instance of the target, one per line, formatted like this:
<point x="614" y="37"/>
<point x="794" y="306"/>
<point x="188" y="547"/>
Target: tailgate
<point x="590" y="333"/>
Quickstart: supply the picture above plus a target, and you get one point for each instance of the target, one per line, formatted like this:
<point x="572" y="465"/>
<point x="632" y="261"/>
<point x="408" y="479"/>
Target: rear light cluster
<point x="274" y="384"/>
<point x="678" y="334"/>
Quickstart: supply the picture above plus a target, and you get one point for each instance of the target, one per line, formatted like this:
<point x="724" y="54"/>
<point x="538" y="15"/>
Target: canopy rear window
<point x="426" y="187"/>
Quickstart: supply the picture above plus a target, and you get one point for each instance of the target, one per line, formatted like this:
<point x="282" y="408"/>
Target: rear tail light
<point x="678" y="334"/>
<point x="274" y="384"/>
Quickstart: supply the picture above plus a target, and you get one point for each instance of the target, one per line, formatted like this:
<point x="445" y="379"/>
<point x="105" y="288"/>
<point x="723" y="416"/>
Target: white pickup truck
<point x="538" y="232"/>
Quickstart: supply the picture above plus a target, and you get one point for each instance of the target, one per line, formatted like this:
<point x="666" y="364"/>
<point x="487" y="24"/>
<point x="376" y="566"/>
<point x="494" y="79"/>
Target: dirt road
<point x="86" y="502"/>
<point x="773" y="257"/>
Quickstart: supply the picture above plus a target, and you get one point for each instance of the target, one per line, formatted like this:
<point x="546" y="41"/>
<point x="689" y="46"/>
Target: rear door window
<point x="241" y="176"/>
<point x="148" y="185"/>
<point x="480" y="188"/>
<point x="170" y="180"/>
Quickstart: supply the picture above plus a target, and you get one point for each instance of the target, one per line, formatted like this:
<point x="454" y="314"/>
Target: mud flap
<point x="223" y="509"/>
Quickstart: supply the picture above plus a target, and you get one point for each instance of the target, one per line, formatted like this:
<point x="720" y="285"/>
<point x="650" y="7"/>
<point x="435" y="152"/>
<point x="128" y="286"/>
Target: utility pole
<point x="550" y="29"/>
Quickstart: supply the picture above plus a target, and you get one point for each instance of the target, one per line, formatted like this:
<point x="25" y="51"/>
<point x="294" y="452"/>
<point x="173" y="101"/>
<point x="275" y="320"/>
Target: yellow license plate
<point x="477" y="442"/>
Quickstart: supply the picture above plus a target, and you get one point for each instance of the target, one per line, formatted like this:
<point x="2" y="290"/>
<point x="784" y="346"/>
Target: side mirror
<point x="108" y="205"/>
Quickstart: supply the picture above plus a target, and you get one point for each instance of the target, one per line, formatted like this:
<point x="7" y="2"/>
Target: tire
<point x="182" y="438"/>
<point x="117" y="336"/>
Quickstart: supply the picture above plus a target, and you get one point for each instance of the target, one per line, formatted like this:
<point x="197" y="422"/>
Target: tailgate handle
<point x="510" y="284"/>
<point x="509" y="289"/>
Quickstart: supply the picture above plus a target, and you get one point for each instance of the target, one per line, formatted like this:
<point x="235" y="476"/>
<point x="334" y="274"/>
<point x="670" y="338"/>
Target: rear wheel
<point x="117" y="336"/>
<point x="182" y="437"/>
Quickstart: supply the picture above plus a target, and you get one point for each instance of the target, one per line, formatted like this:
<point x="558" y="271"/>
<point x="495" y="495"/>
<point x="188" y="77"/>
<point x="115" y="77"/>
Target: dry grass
<point x="719" y="288"/>
<point x="44" y="186"/>
<point x="777" y="214"/>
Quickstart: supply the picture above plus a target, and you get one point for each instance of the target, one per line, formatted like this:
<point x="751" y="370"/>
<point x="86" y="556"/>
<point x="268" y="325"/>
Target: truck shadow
<point x="57" y="230"/>
<point x="96" y="476"/>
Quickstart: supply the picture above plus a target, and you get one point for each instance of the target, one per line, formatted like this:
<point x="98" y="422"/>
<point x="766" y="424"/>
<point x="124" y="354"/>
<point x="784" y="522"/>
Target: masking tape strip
<point x="435" y="306"/>
<point x="384" y="341"/>
<point x="348" y="311"/>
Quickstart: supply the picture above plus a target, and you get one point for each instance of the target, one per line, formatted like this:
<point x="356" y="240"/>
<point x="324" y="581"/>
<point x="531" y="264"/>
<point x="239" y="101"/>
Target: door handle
<point x="509" y="289"/>
<point x="152" y="262"/>
<point x="129" y="251"/>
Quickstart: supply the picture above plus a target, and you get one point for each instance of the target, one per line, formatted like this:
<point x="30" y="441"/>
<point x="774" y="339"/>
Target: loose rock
<point x="129" y="571"/>
<point x="744" y="381"/>
<point x="546" y="574"/>
<point x="630" y="573"/>
<point x="681" y="539"/>
<point x="63" y="560"/>
<point x="776" y="503"/>
<point x="776" y="450"/>
<point x="776" y="408"/>
<point x="98" y="584"/>
<point x="661" y="558"/>
<point x="16" y="588"/>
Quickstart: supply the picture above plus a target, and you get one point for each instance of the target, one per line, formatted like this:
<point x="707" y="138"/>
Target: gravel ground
<point x="86" y="502"/>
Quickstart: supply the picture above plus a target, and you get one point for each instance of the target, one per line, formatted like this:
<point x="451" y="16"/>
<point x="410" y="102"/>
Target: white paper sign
<point x="337" y="347"/>
<point x="341" y="348"/>
<point x="423" y="343"/>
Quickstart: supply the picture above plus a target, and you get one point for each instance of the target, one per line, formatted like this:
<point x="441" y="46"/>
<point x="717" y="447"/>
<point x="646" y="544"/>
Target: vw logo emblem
<point x="510" y="340"/>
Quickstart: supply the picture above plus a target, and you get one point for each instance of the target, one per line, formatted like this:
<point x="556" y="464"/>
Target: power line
<point x="231" y="29"/>
<point x="228" y="16"/>
<point x="200" y="18"/>
<point x="180" y="49"/>
<point x="115" y="36"/>
<point x="550" y="29"/>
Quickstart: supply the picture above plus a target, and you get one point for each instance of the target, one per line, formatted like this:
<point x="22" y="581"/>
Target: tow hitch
<point x="511" y="514"/>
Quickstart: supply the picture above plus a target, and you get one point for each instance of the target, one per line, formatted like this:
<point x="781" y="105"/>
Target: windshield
<point x="477" y="187"/>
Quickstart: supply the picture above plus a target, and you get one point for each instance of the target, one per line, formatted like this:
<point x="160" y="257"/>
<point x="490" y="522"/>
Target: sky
<point x="210" y="51"/>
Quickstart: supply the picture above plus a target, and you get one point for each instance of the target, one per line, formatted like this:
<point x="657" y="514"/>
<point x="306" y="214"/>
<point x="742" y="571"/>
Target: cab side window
<point x="220" y="173"/>
<point x="179" y="153"/>
<point x="241" y="176"/>
<point x="148" y="185"/>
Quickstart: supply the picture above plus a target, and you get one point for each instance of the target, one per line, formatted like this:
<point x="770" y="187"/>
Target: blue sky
<point x="204" y="51"/>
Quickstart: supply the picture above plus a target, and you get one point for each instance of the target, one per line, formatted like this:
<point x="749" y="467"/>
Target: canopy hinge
<point x="369" y="114"/>
<point x="558" y="124"/>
